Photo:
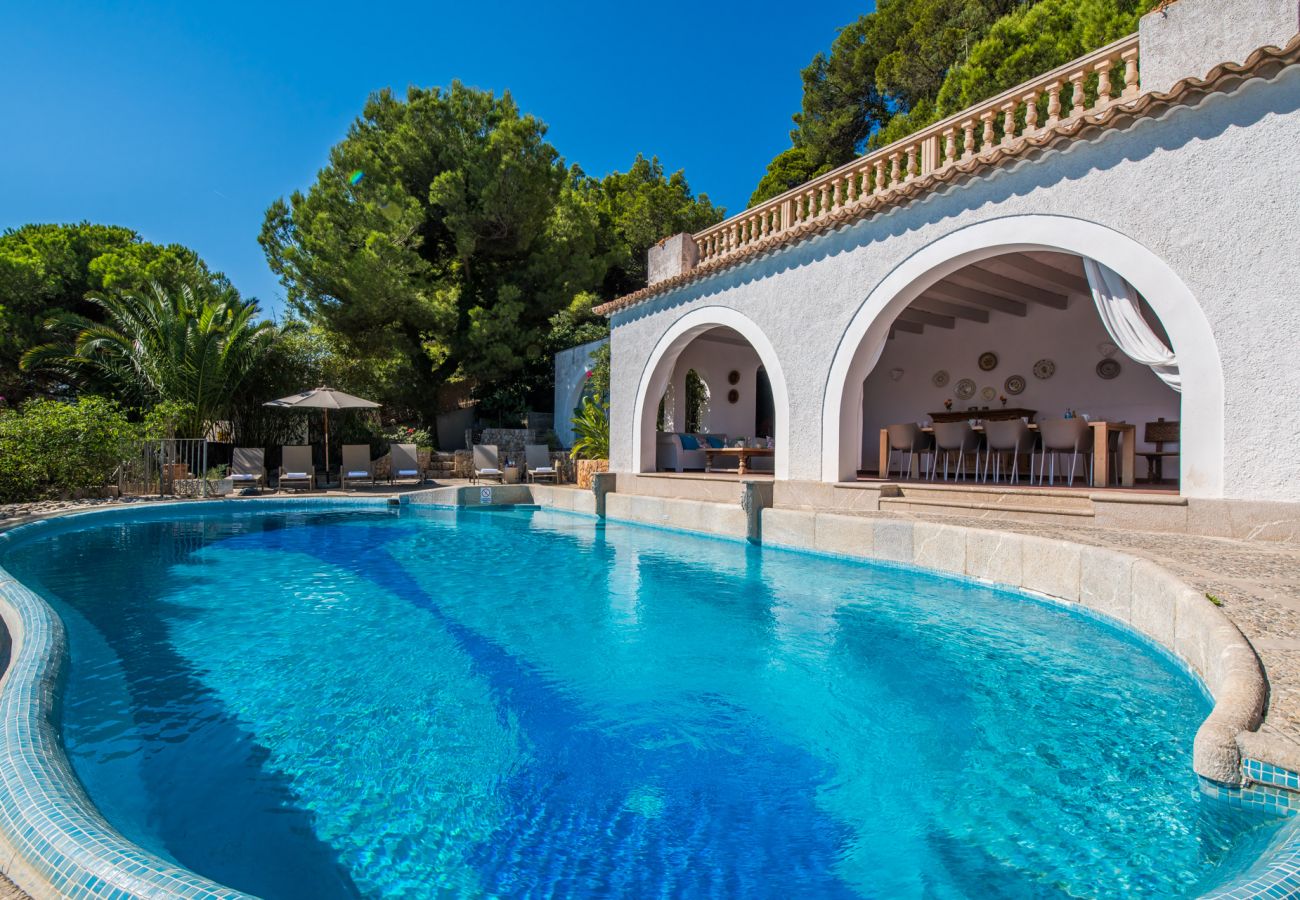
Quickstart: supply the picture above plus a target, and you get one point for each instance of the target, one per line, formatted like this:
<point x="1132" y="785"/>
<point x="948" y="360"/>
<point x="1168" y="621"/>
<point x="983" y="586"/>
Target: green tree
<point x="1033" y="40"/>
<point x="788" y="169"/>
<point x="459" y="238"/>
<point x="49" y="270"/>
<point x="912" y="62"/>
<point x="637" y="208"/>
<point x="187" y="346"/>
<point x="448" y="234"/>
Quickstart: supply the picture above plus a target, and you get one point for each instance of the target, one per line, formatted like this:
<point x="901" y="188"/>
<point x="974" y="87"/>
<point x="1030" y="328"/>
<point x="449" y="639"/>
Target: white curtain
<point x="1121" y="313"/>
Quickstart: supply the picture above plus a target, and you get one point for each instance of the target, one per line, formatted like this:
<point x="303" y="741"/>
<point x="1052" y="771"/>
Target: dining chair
<point x="909" y="439"/>
<point x="1059" y="436"/>
<point x="950" y="438"/>
<point x="1014" y="437"/>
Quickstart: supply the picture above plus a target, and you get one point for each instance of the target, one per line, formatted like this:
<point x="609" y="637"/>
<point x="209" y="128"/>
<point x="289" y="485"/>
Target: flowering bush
<point x="404" y="434"/>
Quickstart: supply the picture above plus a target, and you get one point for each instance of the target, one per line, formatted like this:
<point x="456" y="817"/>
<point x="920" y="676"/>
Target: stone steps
<point x="987" y="502"/>
<point x="996" y="511"/>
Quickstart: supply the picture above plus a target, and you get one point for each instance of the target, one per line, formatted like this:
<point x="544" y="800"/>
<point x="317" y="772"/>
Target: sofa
<point x="677" y="452"/>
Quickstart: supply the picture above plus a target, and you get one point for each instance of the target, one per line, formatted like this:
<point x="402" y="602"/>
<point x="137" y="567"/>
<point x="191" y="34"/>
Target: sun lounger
<point x="487" y="463"/>
<point x="540" y="467"/>
<point x="357" y="465"/>
<point x="296" y="468"/>
<point x="404" y="462"/>
<point x="248" y="467"/>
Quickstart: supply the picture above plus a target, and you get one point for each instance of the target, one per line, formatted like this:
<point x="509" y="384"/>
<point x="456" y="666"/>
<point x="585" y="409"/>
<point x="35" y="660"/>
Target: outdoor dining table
<point x="1101" y="432"/>
<point x="742" y="454"/>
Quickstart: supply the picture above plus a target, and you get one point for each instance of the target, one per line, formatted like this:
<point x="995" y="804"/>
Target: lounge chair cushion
<point x="401" y="472"/>
<point x="360" y="473"/>
<point x="489" y="471"/>
<point x="295" y="475"/>
<point x="243" y="476"/>
<point x="547" y="470"/>
<point x="689" y="442"/>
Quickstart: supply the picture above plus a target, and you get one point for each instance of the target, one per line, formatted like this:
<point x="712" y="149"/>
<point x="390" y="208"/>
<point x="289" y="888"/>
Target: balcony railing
<point x="1085" y="86"/>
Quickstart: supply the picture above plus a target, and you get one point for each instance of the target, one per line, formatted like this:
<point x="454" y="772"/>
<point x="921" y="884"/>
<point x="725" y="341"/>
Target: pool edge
<point x="66" y="840"/>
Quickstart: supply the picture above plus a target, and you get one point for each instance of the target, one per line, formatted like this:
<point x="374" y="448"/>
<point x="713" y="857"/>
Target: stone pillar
<point x="603" y="483"/>
<point x="1188" y="38"/>
<point x="671" y="256"/>
<point x="755" y="496"/>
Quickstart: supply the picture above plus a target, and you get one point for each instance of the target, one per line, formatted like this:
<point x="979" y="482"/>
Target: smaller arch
<point x="659" y="366"/>
<point x="698" y="395"/>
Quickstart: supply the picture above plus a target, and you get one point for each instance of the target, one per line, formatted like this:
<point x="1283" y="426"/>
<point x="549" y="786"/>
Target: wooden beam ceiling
<point x="921" y="317"/>
<point x="955" y="293"/>
<point x="957" y="310"/>
<point x="1039" y="273"/>
<point x="1006" y="284"/>
<point x="991" y="282"/>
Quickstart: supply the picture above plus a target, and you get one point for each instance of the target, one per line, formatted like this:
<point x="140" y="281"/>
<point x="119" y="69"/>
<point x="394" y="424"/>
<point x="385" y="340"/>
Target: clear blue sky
<point x="185" y="120"/>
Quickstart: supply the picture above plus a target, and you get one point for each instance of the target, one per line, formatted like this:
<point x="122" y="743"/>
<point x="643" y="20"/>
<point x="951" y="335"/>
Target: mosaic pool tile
<point x="47" y="820"/>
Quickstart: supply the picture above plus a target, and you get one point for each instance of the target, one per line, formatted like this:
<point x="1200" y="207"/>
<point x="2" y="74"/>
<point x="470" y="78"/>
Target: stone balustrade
<point x="1081" y="88"/>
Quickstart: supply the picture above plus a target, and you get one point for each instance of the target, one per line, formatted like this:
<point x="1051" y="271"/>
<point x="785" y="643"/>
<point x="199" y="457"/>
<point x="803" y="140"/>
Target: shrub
<point x="591" y="430"/>
<point x="49" y="448"/>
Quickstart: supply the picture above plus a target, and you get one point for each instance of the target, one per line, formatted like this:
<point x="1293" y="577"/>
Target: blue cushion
<point x="715" y="441"/>
<point x="689" y="442"/>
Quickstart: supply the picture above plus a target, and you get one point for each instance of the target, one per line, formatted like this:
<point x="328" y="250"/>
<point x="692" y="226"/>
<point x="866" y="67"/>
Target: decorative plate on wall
<point x="965" y="389"/>
<point x="1015" y="384"/>
<point x="733" y="395"/>
<point x="1108" y="368"/>
<point x="988" y="361"/>
<point x="1044" y="369"/>
<point x="940" y="378"/>
<point x="988" y="393"/>
<point x="733" y="377"/>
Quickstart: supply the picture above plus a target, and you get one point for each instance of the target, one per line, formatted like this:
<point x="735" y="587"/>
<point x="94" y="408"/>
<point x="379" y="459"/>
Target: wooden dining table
<point x="1101" y="432"/>
<point x="742" y="455"/>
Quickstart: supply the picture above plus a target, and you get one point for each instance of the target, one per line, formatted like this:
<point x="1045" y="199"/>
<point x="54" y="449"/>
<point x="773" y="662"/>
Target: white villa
<point x="1116" y="241"/>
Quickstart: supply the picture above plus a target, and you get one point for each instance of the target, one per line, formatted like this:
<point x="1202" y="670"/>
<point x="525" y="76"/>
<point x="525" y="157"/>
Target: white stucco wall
<point x="1191" y="37"/>
<point x="1207" y="193"/>
<point x="570" y="379"/>
<point x="1068" y="337"/>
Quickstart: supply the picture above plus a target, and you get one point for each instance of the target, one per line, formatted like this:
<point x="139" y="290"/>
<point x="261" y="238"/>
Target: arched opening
<point x="983" y="325"/>
<point x="697" y="400"/>
<point x="699" y="394"/>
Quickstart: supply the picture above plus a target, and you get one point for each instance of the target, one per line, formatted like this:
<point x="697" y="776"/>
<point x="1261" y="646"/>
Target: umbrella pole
<point x="327" y="445"/>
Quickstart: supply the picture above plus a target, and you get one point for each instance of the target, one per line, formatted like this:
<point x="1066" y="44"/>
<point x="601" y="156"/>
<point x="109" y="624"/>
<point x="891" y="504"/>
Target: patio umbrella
<point x="324" y="399"/>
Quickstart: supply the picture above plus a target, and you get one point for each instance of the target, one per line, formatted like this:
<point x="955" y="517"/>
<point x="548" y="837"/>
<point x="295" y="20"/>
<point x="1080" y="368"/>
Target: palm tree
<point x="193" y="348"/>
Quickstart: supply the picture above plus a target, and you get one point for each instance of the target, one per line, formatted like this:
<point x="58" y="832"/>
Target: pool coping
<point x="55" y="843"/>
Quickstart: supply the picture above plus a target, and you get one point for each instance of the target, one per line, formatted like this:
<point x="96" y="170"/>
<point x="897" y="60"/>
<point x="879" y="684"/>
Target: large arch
<point x="1183" y="320"/>
<point x="659" y="366"/>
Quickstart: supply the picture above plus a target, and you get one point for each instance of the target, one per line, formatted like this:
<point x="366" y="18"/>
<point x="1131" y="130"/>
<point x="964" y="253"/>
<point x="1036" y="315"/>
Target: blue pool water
<point x="361" y="701"/>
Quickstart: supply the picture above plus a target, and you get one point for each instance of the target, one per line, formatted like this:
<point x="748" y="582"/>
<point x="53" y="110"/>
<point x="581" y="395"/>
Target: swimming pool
<point x="304" y="701"/>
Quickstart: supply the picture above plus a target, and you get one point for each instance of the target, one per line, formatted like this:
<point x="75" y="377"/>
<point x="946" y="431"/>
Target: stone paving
<point x="1257" y="583"/>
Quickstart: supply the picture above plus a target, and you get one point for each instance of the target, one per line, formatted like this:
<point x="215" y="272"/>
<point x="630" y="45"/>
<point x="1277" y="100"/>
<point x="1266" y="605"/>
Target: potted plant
<point x="591" y="443"/>
<point x="219" y="483"/>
